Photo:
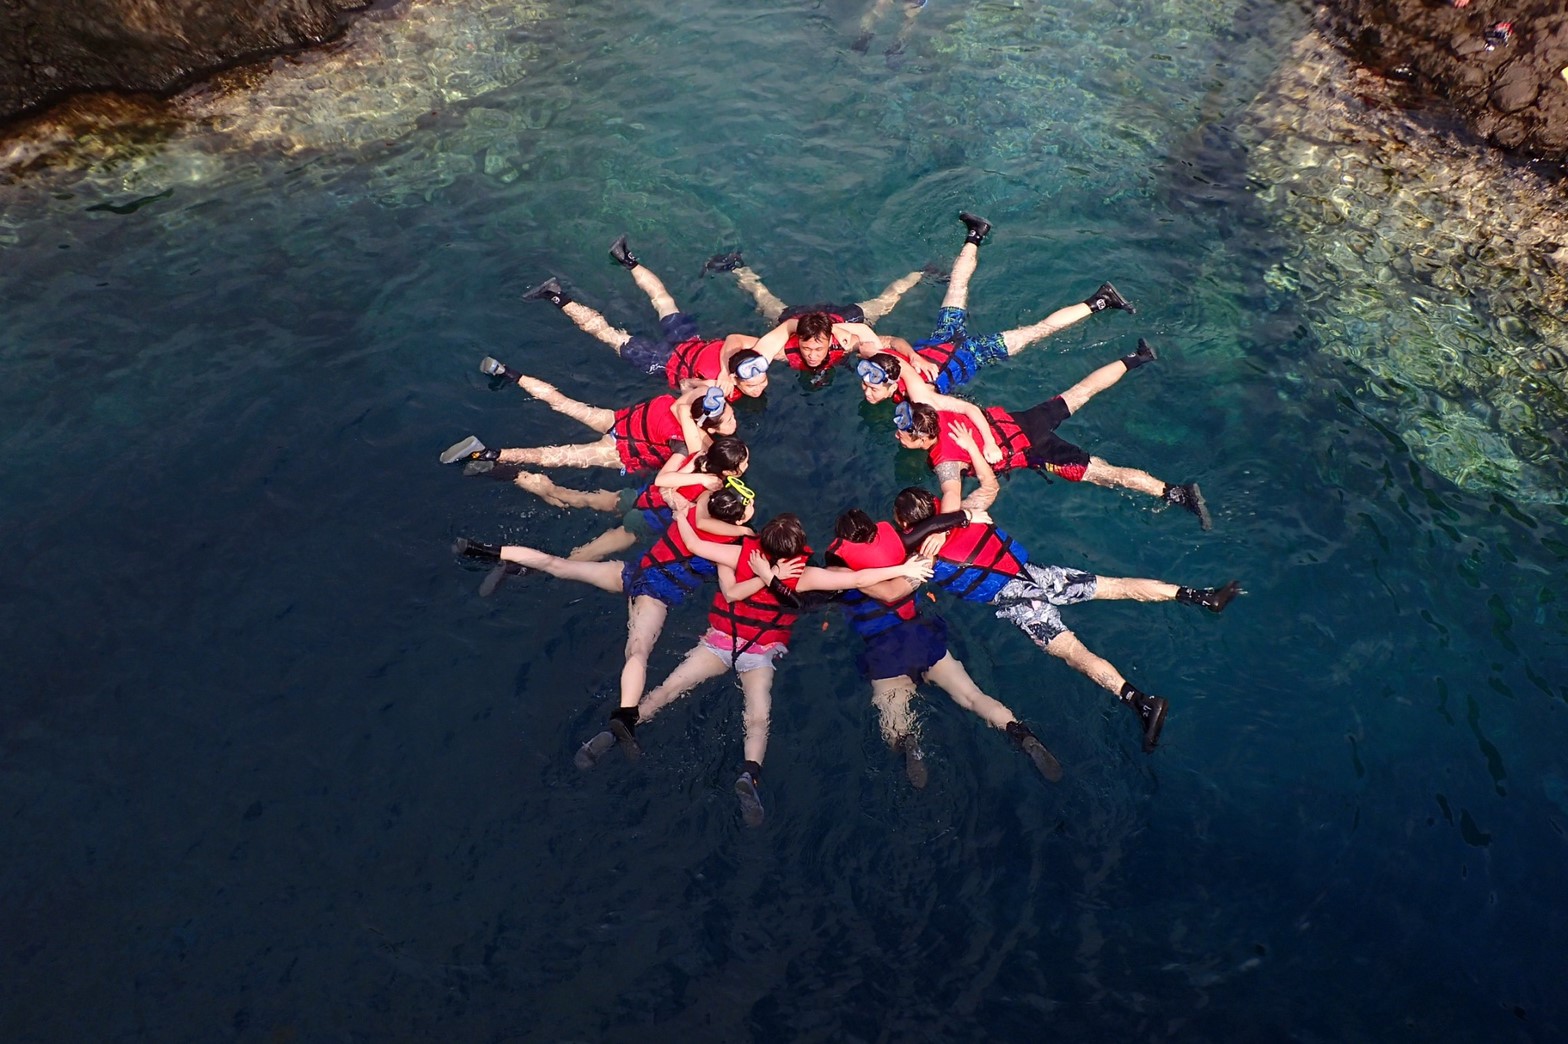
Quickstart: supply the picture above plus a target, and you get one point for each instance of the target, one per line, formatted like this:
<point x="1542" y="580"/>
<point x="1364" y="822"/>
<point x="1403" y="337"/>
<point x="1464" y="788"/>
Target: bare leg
<point x="955" y="681"/>
<point x="595" y="324"/>
<point x="883" y="303"/>
<point x="1019" y="339"/>
<point x="757" y="684"/>
<point x="894" y="698"/>
<point x="564" y="497"/>
<point x="644" y="622"/>
<point x="1102" y="474"/>
<point x="601" y="454"/>
<point x="768" y="304"/>
<point x="610" y="542"/>
<point x="596" y="417"/>
<point x="868" y="20"/>
<point x="1067" y="648"/>
<point x="659" y="297"/>
<point x="957" y="295"/>
<point x="1106" y="376"/>
<point x="604" y="575"/>
<point x="700" y="665"/>
<point x="1134" y="589"/>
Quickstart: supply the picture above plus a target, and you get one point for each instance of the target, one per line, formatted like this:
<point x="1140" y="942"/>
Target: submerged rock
<point x="51" y="50"/>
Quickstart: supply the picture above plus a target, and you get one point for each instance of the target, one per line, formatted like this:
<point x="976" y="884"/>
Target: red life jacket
<point x="796" y="361"/>
<point x="695" y="358"/>
<point x="643" y="433"/>
<point x="1009" y="436"/>
<point x="869" y="616"/>
<point x="670" y="557"/>
<point x="760" y="620"/>
<point x="976" y="562"/>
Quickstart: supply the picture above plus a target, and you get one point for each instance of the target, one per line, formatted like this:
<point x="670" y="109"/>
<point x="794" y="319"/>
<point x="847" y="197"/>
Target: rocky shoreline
<point x="51" y="51"/>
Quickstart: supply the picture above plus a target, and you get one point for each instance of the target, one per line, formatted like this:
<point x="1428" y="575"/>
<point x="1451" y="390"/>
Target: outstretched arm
<point x="815" y="578"/>
<point x="713" y="551"/>
<point x="771" y="344"/>
<point x="691" y="433"/>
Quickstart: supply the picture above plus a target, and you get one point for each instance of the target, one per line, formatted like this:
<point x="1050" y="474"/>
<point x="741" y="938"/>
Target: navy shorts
<point x="649" y="355"/>
<point x="912" y="647"/>
<point x="851" y="313"/>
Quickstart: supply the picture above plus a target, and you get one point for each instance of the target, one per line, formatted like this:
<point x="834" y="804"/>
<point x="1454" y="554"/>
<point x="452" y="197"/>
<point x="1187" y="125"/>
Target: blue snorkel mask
<point x="904" y="417"/>
<point x="870" y="372"/>
<point x="751" y="369"/>
<point x="713" y="403"/>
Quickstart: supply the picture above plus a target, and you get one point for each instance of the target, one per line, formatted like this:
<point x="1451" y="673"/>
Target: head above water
<point x="878" y="376"/>
<point x="726" y="456"/>
<point x="917" y="428"/>
<point x="751" y="372"/>
<point x="726" y="505"/>
<point x="912" y="506"/>
<point x="720" y="422"/>
<point x="814" y="338"/>
<point x="855" y="526"/>
<point x="783" y="537"/>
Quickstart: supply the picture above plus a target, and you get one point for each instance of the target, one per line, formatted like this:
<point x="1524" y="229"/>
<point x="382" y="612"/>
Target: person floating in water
<point x="683" y="355"/>
<point x="749" y="627"/>
<point x="981" y="563"/>
<point x="1028" y="439"/>
<point x="951" y="356"/>
<point x="640" y="437"/>
<point x="902" y="648"/>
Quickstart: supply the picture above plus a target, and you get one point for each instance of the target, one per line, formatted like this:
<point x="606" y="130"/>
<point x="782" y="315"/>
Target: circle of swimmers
<point x="698" y="511"/>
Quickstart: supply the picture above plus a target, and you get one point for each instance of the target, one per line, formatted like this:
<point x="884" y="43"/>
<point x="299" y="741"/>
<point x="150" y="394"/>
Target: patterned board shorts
<point x="1030" y="599"/>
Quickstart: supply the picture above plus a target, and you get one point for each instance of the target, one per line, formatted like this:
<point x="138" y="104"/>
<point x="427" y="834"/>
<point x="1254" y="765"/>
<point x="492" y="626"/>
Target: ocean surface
<point x="271" y="769"/>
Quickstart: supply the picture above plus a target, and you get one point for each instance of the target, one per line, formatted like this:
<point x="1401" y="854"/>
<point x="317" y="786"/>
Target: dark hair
<point x="923" y="420"/>
<point x="726" y="454"/>
<point x="913" y="504"/>
<point x="783" y="537"/>
<point x="726" y="505"/>
<point x="705" y="422"/>
<point x="742" y="356"/>
<point x="887" y="362"/>
<point x="855" y="526"/>
<point x="813" y="324"/>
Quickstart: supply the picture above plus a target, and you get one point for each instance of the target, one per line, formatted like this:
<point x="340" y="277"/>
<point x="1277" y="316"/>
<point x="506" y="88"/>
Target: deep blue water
<point x="272" y="770"/>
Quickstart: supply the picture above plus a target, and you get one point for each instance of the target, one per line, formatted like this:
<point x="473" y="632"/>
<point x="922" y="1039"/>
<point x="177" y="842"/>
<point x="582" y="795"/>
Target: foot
<point x="934" y="274"/>
<point x="862" y="43"/>
<point x="1190" y="497"/>
<point x="623" y="726"/>
<point x="493" y="367"/>
<point x="497" y="576"/>
<point x="1107" y="297"/>
<point x="589" y="753"/>
<point x="549" y="290"/>
<point x="621" y="254"/>
<point x="750" y="800"/>
<point x="978" y="227"/>
<point x="469" y="448"/>
<point x="914" y="762"/>
<point x="474" y="549"/>
<point x="1144" y="354"/>
<point x="723" y="262"/>
<point x="1043" y="760"/>
<point x="1214" y="599"/>
<point x="1151" y="714"/>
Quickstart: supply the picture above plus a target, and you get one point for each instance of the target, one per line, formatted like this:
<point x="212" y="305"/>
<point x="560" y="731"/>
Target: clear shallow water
<point x="271" y="768"/>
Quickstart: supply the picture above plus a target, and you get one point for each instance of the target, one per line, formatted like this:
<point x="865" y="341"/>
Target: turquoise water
<point x="271" y="768"/>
